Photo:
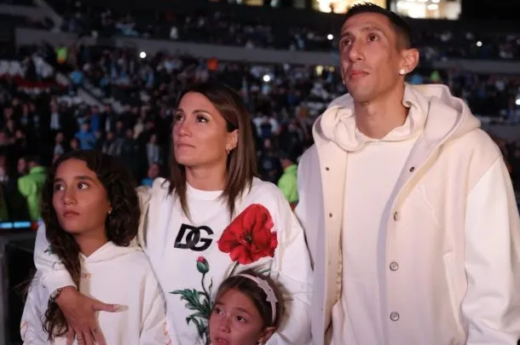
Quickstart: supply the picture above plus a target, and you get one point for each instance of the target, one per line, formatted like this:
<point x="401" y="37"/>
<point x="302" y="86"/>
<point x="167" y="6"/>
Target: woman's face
<point x="79" y="199"/>
<point x="200" y="136"/>
<point x="236" y="321"/>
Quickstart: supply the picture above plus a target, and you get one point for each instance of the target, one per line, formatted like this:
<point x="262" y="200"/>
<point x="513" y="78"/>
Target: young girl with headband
<point x="247" y="311"/>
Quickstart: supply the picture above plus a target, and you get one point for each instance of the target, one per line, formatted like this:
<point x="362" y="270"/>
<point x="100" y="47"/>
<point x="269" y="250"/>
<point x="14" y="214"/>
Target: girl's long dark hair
<point x="121" y="225"/>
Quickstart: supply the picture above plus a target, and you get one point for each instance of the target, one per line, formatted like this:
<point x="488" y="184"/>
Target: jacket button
<point x="412" y="169"/>
<point x="330" y="215"/>
<point x="327" y="168"/>
<point x="394" y="266"/>
<point x="397" y="216"/>
<point x="394" y="316"/>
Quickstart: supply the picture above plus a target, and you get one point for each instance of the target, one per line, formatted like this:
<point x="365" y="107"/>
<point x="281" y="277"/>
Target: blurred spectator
<point x="22" y="166"/>
<point x="30" y="186"/>
<point x="153" y="151"/>
<point x="154" y="171"/>
<point x="74" y="144"/>
<point x="128" y="151"/>
<point x="288" y="181"/>
<point x="269" y="165"/>
<point x="76" y="77"/>
<point x="59" y="147"/>
<point x="13" y="204"/>
<point x="61" y="54"/>
<point x="87" y="139"/>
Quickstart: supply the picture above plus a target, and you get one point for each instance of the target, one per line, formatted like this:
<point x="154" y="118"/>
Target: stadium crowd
<point x="224" y="28"/>
<point x="42" y="119"/>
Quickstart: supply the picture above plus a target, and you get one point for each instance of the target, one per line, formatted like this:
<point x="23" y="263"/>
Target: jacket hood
<point x="108" y="252"/>
<point x="432" y="108"/>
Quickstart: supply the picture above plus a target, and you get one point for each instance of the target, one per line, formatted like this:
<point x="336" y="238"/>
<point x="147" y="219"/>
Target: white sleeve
<point x="145" y="194"/>
<point x="31" y="326"/>
<point x="308" y="211"/>
<point x="300" y="209"/>
<point x="292" y="270"/>
<point x="154" y="329"/>
<point x="53" y="273"/>
<point x="492" y="302"/>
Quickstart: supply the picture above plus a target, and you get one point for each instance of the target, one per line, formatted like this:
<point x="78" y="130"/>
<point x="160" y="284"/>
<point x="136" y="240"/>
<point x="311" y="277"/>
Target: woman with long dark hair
<point x="91" y="213"/>
<point x="210" y="220"/>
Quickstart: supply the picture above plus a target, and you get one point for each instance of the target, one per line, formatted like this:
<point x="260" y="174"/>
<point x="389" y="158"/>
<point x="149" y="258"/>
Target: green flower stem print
<point x="199" y="301"/>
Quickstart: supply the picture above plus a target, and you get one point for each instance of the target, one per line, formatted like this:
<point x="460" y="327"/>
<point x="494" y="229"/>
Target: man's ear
<point x="410" y="59"/>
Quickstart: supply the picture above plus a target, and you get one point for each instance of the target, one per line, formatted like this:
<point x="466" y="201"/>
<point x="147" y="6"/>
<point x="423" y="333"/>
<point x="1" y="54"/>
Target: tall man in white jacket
<point x="407" y="205"/>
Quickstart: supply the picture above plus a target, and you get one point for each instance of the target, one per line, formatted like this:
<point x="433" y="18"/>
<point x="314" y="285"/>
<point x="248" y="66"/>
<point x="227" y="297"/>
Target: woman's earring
<point x="402" y="71"/>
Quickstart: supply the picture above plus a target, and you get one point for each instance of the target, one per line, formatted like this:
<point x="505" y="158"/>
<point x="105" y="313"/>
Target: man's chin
<point x="360" y="96"/>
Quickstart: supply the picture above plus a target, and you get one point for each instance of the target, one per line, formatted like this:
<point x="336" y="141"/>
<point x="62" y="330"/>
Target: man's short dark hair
<point x="403" y="30"/>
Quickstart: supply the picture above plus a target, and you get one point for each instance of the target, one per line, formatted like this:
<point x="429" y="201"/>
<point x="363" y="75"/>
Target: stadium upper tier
<point x="284" y="29"/>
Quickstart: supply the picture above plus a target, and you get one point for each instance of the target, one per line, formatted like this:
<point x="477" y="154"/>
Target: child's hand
<point x="79" y="310"/>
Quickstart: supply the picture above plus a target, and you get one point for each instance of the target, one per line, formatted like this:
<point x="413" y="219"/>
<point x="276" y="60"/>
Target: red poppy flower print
<point x="249" y="237"/>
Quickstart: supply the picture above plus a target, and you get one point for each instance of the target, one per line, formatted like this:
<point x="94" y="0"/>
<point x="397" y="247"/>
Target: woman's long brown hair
<point x="241" y="162"/>
<point x="121" y="226"/>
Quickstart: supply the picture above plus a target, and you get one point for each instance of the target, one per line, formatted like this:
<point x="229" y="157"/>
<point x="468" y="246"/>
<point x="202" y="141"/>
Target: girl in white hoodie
<point x="91" y="212"/>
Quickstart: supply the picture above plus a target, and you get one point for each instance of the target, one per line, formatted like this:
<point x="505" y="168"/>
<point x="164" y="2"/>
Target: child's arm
<point x="154" y="327"/>
<point x="79" y="310"/>
<point x="31" y="326"/>
<point x="53" y="273"/>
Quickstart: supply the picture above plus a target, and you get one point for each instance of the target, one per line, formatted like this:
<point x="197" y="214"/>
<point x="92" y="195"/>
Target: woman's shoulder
<point x="159" y="186"/>
<point x="267" y="194"/>
<point x="264" y="188"/>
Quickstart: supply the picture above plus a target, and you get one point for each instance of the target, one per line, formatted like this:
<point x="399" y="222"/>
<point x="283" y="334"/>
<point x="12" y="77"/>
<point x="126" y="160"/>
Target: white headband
<point x="268" y="290"/>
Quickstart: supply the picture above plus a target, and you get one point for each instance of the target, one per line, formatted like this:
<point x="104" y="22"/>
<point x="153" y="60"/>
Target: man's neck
<point x="377" y="118"/>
